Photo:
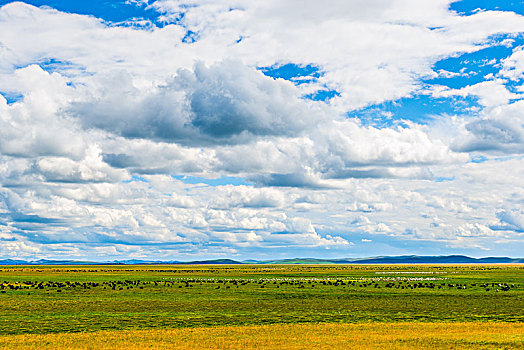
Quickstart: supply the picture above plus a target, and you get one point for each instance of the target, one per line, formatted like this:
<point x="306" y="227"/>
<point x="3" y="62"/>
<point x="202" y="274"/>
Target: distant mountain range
<point x="405" y="259"/>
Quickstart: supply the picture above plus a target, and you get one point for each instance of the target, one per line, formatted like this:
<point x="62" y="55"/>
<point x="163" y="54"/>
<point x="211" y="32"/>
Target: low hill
<point x="405" y="259"/>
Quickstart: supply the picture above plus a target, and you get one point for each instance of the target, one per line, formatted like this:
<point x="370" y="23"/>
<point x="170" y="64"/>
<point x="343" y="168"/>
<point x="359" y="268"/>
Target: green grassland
<point x="53" y="299"/>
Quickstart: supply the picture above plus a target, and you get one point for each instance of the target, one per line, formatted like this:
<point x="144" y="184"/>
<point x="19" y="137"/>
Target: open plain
<point x="262" y="306"/>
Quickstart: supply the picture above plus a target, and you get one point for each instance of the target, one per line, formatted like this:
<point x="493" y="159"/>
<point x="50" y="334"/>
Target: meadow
<point x="59" y="304"/>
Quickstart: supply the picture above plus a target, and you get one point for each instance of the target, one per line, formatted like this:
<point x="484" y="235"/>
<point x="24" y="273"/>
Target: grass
<point x="40" y="304"/>
<point x="299" y="336"/>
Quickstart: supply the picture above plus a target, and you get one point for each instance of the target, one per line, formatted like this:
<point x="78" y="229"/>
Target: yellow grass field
<point x="474" y="335"/>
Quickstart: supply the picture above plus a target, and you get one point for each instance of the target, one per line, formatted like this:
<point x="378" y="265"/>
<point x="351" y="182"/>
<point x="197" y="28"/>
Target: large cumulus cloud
<point x="224" y="103"/>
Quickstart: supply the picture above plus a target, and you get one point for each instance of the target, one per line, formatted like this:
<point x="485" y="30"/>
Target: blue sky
<point x="113" y="11"/>
<point x="183" y="130"/>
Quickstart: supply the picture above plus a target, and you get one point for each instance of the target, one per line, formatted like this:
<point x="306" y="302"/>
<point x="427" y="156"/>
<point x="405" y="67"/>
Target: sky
<point x="205" y="129"/>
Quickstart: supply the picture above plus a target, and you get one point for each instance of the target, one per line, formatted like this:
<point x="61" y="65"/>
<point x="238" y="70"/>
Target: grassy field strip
<point x="62" y="299"/>
<point x="472" y="335"/>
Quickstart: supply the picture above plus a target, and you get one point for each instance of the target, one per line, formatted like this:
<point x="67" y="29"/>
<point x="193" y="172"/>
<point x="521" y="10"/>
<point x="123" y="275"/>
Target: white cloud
<point x="491" y="93"/>
<point x="500" y="129"/>
<point x="513" y="66"/>
<point x="90" y="169"/>
<point x="29" y="128"/>
<point x="512" y="219"/>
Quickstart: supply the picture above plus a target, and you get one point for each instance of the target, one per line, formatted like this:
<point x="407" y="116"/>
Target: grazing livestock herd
<point x="228" y="283"/>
